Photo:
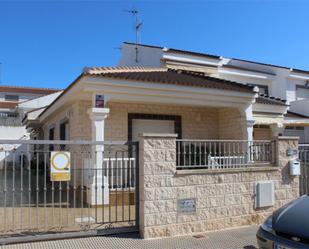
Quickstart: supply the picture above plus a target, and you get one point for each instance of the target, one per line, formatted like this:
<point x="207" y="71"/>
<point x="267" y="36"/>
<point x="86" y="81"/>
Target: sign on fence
<point x="60" y="162"/>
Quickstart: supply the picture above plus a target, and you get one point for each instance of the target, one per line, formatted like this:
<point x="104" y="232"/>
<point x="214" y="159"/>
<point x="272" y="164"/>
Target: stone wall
<point x="260" y="133"/>
<point x="78" y="118"/>
<point x="224" y="198"/>
<point x="231" y="124"/>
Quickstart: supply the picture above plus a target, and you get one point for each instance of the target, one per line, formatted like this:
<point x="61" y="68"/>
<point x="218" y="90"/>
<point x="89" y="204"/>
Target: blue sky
<point x="46" y="43"/>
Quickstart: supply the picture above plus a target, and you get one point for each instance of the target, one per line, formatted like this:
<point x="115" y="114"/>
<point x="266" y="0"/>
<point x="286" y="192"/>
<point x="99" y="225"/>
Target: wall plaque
<point x="186" y="206"/>
<point x="291" y="152"/>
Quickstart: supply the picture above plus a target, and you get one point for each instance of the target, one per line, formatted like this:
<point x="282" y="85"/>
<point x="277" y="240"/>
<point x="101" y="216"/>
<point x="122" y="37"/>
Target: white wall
<point x="147" y="56"/>
<point x="300" y="106"/>
<point x="22" y="96"/>
<point x="39" y="102"/>
<point x="10" y="133"/>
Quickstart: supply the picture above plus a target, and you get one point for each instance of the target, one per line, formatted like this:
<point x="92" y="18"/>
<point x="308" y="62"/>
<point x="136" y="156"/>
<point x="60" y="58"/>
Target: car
<point x="287" y="227"/>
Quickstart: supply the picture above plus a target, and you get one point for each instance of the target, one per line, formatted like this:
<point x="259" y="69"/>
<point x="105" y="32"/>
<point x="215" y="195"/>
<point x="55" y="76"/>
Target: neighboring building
<point x="15" y="102"/>
<point x="281" y="82"/>
<point x="11" y="115"/>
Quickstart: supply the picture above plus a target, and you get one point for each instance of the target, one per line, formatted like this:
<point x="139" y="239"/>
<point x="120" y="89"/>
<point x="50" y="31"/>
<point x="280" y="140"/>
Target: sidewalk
<point x="241" y="238"/>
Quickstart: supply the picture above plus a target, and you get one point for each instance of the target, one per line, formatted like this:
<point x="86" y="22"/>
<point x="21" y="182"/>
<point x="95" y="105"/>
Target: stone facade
<point x="197" y="122"/>
<point x="262" y="133"/>
<point x="77" y="117"/>
<point x="224" y="199"/>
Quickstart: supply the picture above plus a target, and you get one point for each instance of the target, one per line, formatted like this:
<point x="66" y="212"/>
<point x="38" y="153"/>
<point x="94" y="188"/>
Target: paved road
<point x="241" y="238"/>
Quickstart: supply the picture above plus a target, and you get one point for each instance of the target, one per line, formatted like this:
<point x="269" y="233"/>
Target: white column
<point x="249" y="122"/>
<point x="98" y="180"/>
<point x="249" y="130"/>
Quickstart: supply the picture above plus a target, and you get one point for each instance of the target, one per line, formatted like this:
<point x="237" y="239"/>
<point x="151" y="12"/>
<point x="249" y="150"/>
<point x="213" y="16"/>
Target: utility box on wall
<point x="295" y="167"/>
<point x="265" y="194"/>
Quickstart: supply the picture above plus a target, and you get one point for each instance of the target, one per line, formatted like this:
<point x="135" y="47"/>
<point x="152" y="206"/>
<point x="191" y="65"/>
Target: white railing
<point x="223" y="154"/>
<point x="120" y="172"/>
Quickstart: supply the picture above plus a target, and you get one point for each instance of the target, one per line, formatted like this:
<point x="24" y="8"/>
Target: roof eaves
<point x="269" y="100"/>
<point x="143" y="45"/>
<point x="62" y="94"/>
<point x="297" y="114"/>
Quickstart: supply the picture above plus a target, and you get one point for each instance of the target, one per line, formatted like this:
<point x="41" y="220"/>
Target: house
<point x="11" y="115"/>
<point x="196" y="146"/>
<point x="273" y="81"/>
<point x="120" y="103"/>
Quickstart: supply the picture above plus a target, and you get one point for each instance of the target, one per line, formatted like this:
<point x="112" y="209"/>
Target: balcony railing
<point x="223" y="154"/>
<point x="10" y="119"/>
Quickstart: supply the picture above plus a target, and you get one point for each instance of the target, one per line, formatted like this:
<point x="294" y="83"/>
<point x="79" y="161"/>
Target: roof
<point x="159" y="75"/>
<point x="295" y="115"/>
<point x="173" y="50"/>
<point x="25" y="89"/>
<point x="267" y="100"/>
<point x="167" y="76"/>
<point x="8" y="105"/>
<point x="180" y="51"/>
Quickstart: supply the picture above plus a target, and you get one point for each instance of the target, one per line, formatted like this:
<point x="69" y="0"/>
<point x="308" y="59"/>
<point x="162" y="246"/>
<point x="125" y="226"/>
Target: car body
<point x="287" y="227"/>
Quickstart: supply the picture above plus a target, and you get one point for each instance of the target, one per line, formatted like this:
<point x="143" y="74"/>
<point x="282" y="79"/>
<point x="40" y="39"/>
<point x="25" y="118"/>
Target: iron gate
<point x="304" y="177"/>
<point x="100" y="197"/>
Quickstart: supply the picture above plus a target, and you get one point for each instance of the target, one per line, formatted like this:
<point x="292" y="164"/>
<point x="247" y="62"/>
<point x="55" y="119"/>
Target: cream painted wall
<point x="197" y="122"/>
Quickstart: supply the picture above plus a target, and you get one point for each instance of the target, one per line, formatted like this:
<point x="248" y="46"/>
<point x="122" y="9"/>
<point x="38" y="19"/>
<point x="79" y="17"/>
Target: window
<point x="9" y="97"/>
<point x="51" y="136"/>
<point x="297" y="128"/>
<point x="263" y="89"/>
<point x="64" y="133"/>
<point x="302" y="92"/>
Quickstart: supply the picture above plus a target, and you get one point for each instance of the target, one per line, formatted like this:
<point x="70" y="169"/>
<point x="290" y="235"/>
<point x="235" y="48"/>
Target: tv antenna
<point x="137" y="28"/>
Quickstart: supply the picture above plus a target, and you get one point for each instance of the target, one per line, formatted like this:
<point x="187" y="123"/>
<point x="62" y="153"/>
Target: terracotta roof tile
<point x="168" y="76"/>
<point x="103" y="70"/>
<point x="26" y="89"/>
<point x="8" y="105"/>
<point x="264" y="99"/>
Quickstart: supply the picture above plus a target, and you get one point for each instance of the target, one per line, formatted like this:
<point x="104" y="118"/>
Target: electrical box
<point x="265" y="194"/>
<point x="295" y="167"/>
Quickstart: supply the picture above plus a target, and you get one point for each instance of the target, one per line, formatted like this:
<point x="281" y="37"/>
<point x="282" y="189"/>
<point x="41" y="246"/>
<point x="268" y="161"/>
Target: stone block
<point x="165" y="193"/>
<point x="280" y="194"/>
<point x="179" y="181"/>
<point x="152" y="207"/>
<point x="155" y="232"/>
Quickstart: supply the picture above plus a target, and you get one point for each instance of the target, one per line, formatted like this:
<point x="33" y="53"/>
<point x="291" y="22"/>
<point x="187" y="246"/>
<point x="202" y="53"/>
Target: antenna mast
<point x="137" y="27"/>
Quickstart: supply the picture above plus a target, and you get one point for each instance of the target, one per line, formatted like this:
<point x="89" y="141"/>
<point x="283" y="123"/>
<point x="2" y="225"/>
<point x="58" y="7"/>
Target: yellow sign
<point x="60" y="166"/>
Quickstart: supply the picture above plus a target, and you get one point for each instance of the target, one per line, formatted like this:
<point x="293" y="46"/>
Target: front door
<point x="140" y="126"/>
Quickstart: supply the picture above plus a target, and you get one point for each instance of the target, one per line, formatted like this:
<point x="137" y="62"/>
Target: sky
<point x="47" y="43"/>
